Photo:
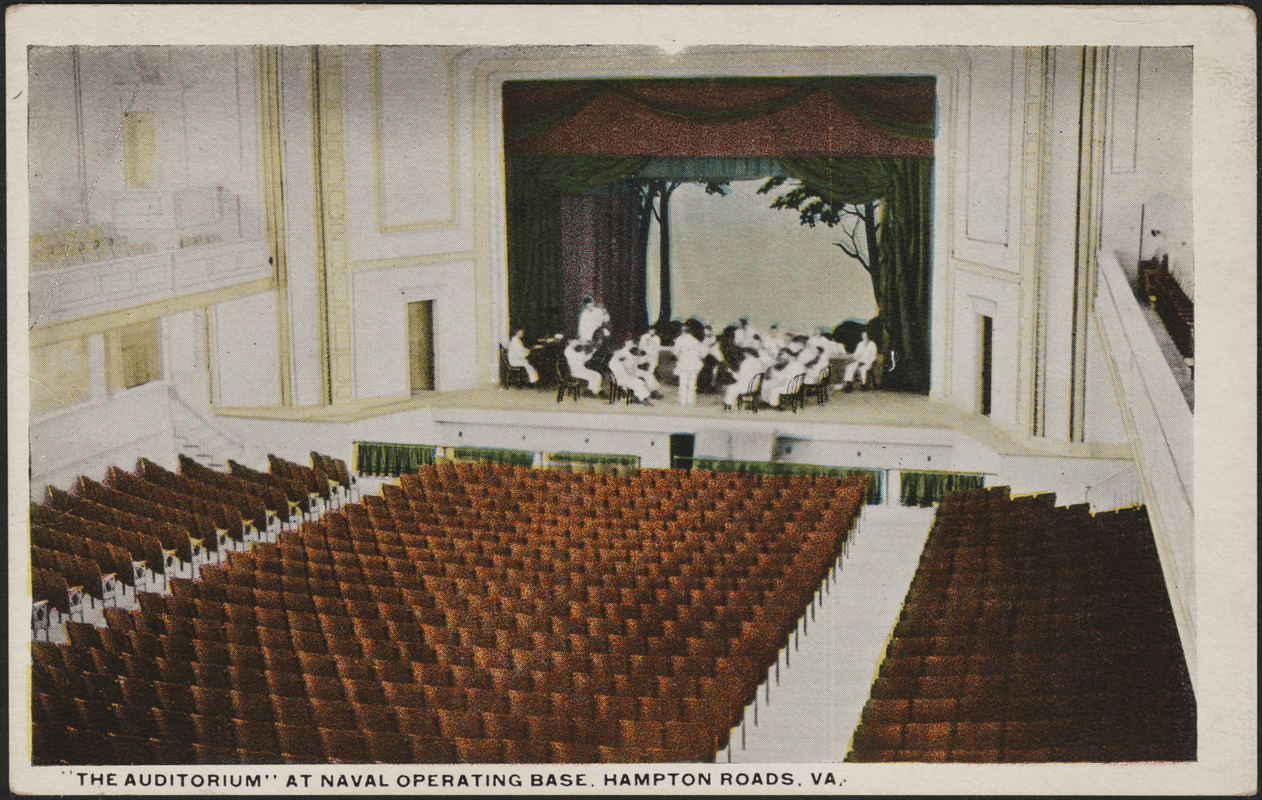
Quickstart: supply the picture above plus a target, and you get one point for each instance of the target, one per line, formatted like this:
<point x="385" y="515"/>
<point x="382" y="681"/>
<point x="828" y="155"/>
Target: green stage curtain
<point x="872" y="495"/>
<point x="383" y="458"/>
<point x="520" y="458"/>
<point x="903" y="268"/>
<point x="594" y="458"/>
<point x="927" y="488"/>
<point x="535" y="184"/>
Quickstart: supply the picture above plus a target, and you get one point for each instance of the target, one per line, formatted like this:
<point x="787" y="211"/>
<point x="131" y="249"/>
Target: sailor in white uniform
<point x="517" y="352"/>
<point x="689" y="354"/>
<point x="750" y="365"/>
<point x="625" y="368"/>
<point x="592" y="316"/>
<point x="861" y="361"/>
<point x="651" y="345"/>
<point x="577" y="353"/>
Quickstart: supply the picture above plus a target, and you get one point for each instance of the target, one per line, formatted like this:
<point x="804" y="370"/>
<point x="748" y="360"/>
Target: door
<point x="985" y="332"/>
<point x="420" y="332"/>
<point x="681" y="447"/>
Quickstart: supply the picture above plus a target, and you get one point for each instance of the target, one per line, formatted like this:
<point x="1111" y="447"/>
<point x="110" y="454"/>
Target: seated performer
<point x="816" y="363"/>
<point x="517" y="352"/>
<point x="652" y="348"/>
<point x="777" y="379"/>
<point x="861" y="360"/>
<point x="624" y="367"/>
<point x="749" y="366"/>
<point x="577" y="354"/>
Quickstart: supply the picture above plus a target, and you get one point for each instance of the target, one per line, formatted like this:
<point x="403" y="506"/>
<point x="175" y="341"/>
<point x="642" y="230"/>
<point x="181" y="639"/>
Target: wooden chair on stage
<point x="819" y="389"/>
<point x="567" y="383"/>
<point x="750" y="399"/>
<point x="509" y="375"/>
<point x="793" y="398"/>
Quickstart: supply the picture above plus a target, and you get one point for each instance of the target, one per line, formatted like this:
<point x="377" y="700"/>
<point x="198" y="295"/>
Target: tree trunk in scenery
<point x="663" y="303"/>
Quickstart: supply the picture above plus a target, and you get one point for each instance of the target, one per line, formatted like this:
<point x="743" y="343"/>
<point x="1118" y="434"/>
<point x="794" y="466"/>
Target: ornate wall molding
<point x="271" y="150"/>
<point x="1035" y="164"/>
<point x="332" y="226"/>
<point x="1092" y="93"/>
<point x="452" y="177"/>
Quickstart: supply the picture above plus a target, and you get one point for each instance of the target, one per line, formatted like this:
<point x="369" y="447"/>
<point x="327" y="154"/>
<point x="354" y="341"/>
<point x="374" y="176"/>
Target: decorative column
<point x="267" y="74"/>
<point x="332" y="225"/>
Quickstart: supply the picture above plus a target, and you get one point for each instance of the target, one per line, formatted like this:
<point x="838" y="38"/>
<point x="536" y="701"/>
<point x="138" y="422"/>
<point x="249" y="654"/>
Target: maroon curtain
<point x="837" y="116"/>
<point x="599" y="257"/>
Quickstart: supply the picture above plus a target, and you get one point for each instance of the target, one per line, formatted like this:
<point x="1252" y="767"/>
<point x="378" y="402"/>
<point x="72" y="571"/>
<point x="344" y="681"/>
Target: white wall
<point x="88" y="438"/>
<point x="1059" y="230"/>
<point x="298" y="180"/>
<point x="1102" y="419"/>
<point x="379" y="298"/>
<point x="1148" y="159"/>
<point x="1067" y="477"/>
<point x="407" y="167"/>
<point x="205" y="119"/>
<point x="54" y="155"/>
<point x="245" y="351"/>
<point x="183" y="354"/>
<point x="987" y="181"/>
<point x="998" y="299"/>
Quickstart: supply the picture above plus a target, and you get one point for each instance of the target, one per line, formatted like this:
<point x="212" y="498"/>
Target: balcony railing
<point x="1159" y="425"/>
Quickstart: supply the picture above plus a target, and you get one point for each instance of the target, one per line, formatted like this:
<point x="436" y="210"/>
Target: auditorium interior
<point x="289" y="503"/>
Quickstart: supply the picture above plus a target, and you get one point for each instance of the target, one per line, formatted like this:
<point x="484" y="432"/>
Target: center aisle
<point x="815" y="706"/>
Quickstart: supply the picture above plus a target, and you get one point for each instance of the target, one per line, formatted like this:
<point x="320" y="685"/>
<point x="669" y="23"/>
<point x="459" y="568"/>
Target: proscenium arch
<point x="947" y="65"/>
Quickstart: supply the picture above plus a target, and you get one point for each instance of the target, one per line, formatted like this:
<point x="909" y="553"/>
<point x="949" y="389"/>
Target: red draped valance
<point x="704" y="117"/>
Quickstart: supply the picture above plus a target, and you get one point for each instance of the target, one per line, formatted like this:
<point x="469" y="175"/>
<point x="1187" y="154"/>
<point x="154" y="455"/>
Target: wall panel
<point x="245" y="351"/>
<point x="379" y="300"/>
<point x="988" y="153"/>
<point x="407" y="151"/>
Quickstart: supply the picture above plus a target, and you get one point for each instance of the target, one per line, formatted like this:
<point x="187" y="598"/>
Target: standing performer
<point x="689" y="354"/>
<point x="591" y="316"/>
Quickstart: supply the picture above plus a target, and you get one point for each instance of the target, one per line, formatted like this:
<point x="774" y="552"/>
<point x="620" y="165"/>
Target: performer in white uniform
<point x="593" y="315"/>
<point x="517" y="352"/>
<point x="689" y="353"/>
<point x="577" y="352"/>
<point x="776" y="381"/>
<point x="623" y="367"/>
<point x="652" y="347"/>
<point x="863" y="358"/>
<point x="817" y="363"/>
<point x="750" y="365"/>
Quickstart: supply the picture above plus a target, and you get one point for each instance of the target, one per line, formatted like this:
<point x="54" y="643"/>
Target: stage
<point x="868" y="429"/>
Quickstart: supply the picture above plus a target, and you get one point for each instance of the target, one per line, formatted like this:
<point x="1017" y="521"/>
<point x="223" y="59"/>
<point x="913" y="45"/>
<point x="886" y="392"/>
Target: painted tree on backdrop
<point x="655" y="205"/>
<point x="859" y="223"/>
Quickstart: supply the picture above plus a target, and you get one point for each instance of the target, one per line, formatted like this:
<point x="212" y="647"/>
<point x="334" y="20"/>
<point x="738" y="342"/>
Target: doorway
<point x="985" y="329"/>
<point x="420" y="333"/>
<point x="681" y="447"/>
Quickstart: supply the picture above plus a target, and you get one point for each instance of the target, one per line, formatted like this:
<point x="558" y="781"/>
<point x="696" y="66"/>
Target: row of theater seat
<point x="1032" y="633"/>
<point x="592" y="657"/>
<point x="98" y="546"/>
